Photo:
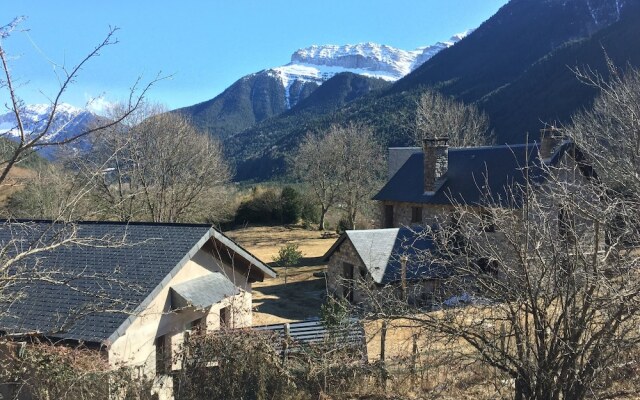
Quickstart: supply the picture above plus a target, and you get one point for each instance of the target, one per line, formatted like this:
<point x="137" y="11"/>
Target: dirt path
<point x="301" y="297"/>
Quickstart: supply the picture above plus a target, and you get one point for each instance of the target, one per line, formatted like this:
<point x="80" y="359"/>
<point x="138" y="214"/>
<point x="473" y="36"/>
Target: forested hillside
<point x="518" y="67"/>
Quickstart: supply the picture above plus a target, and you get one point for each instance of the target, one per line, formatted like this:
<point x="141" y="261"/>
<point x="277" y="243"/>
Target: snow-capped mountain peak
<point x="68" y="121"/>
<point x="318" y="63"/>
<point x="40" y="112"/>
<point x="459" y="36"/>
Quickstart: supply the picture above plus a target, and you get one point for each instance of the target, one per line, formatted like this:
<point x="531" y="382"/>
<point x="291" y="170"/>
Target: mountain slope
<point x="260" y="152"/>
<point x="338" y="91"/>
<point x="549" y="90"/>
<point x="501" y="49"/>
<point x="257" y="97"/>
<point x="522" y="81"/>
<point x="249" y="100"/>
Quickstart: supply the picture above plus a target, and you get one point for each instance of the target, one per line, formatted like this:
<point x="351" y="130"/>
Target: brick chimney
<point x="550" y="138"/>
<point x="436" y="161"/>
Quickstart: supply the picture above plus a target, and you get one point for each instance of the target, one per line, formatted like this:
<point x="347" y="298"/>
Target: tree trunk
<point x="323" y="212"/>
<point x="352" y="218"/>
<point x="522" y="391"/>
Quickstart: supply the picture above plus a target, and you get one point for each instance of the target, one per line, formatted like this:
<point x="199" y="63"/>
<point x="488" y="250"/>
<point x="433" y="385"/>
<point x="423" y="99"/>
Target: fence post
<point x="285" y="344"/>
<point x="383" y="341"/>
<point x="414" y="357"/>
<point x="403" y="276"/>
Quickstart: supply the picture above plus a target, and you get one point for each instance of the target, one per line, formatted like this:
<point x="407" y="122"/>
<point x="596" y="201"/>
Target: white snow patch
<point x="98" y="105"/>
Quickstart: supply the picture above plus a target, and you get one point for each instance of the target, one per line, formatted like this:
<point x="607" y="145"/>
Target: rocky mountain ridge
<point x="68" y="121"/>
<point x="271" y="92"/>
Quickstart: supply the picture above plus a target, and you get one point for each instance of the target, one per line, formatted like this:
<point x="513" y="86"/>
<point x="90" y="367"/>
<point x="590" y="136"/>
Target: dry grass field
<point x="301" y="297"/>
<point x="14" y="182"/>
<point x="277" y="302"/>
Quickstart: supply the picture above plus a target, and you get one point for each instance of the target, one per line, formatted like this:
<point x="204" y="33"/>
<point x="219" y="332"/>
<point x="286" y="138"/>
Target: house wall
<point x="136" y="348"/>
<point x="402" y="213"/>
<point x="346" y="253"/>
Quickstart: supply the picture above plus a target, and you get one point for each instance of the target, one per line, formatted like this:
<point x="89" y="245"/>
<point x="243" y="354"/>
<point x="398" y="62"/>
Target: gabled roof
<point x="104" y="276"/>
<point x="381" y="251"/>
<point x="475" y="176"/>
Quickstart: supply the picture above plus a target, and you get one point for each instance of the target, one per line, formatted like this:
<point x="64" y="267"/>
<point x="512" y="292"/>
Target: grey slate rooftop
<point x="474" y="175"/>
<point x="101" y="276"/>
<point x="381" y="250"/>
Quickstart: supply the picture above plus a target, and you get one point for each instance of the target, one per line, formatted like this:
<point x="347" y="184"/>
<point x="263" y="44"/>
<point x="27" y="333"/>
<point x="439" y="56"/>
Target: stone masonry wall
<point x="402" y="213"/>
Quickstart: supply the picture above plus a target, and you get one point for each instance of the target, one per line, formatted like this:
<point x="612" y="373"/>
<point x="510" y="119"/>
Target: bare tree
<point x="55" y="196"/>
<point x="440" y="116"/>
<point x="44" y="195"/>
<point x="361" y="167"/>
<point x="28" y="141"/>
<point x="316" y="163"/>
<point x="158" y="167"/>
<point x="552" y="290"/>
<point x="553" y="282"/>
<point x="610" y="131"/>
<point x="343" y="165"/>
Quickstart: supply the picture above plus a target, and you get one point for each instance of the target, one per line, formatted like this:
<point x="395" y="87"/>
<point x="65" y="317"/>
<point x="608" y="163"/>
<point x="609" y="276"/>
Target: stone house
<point x="131" y="291"/>
<point x="365" y="263"/>
<point x="425" y="187"/>
<point x="426" y="184"/>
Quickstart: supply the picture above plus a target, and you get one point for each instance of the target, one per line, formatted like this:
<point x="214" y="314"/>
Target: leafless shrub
<point x="250" y="365"/>
<point x="232" y="365"/>
<point x="44" y="371"/>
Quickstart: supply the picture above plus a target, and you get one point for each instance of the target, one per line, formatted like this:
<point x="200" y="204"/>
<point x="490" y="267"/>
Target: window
<point x="488" y="266"/>
<point x="196" y="326"/>
<point x="388" y="216"/>
<point x="225" y="317"/>
<point x="348" y="284"/>
<point x="163" y="355"/>
<point x="416" y="215"/>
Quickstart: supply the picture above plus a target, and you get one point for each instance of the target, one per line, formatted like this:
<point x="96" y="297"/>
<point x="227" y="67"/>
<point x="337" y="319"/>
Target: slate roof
<point x="202" y="292"/>
<point x="474" y="175"/>
<point x="108" y="271"/>
<point x="381" y="250"/>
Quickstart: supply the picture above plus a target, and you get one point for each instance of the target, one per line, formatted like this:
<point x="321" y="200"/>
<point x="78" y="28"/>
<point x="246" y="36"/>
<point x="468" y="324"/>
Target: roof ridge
<point x="370" y="230"/>
<point x="496" y="146"/>
<point x="97" y="222"/>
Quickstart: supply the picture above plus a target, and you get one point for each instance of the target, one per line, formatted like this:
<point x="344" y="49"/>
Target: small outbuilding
<point x="362" y="263"/>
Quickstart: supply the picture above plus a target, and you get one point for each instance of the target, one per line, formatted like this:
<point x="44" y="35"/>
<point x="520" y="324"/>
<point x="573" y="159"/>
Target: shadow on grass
<point x="295" y="300"/>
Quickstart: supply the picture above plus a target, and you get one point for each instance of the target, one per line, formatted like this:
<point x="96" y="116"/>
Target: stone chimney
<point x="550" y="138"/>
<point x="436" y="161"/>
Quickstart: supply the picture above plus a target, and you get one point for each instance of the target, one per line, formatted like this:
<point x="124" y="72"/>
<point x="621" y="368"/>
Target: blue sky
<point x="207" y="45"/>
